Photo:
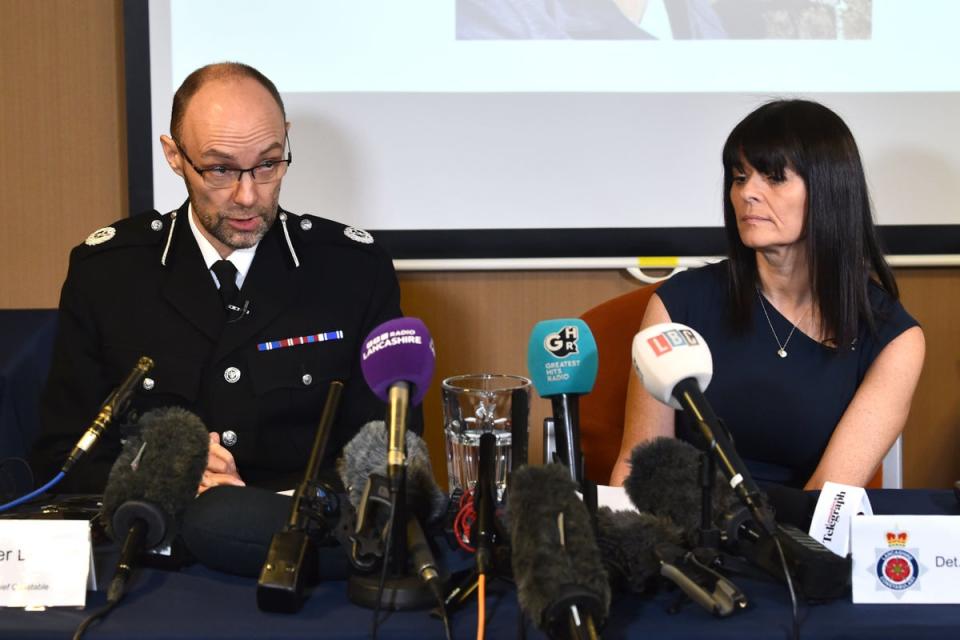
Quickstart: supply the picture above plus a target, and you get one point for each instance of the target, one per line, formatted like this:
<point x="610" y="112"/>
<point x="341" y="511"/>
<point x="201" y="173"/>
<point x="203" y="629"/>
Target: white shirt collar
<point x="241" y="258"/>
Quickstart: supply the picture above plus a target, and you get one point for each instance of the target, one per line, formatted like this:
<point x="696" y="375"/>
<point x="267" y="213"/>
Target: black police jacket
<point x="139" y="288"/>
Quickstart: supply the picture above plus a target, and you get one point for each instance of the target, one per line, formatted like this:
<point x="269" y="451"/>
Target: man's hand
<point x="221" y="468"/>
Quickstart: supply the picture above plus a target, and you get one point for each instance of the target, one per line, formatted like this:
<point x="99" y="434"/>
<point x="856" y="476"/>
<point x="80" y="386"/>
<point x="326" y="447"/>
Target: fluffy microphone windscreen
<point x="161" y="465"/>
<point x="123" y="483"/>
<point x="626" y="540"/>
<point x="554" y="551"/>
<point x="664" y="480"/>
<point x="366" y="454"/>
<point x="230" y="529"/>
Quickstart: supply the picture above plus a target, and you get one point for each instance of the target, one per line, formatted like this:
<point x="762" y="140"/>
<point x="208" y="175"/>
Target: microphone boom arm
<point x="688" y="394"/>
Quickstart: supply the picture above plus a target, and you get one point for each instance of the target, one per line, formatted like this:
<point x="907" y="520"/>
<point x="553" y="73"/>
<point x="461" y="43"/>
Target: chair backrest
<point x="613" y="324"/>
<point x="26" y="346"/>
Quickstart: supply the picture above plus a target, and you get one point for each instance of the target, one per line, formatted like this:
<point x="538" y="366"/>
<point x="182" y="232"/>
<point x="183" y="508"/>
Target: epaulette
<point x="145" y="229"/>
<point x="310" y="229"/>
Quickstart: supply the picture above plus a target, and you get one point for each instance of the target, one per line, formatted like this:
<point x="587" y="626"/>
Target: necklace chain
<point x="782" y="351"/>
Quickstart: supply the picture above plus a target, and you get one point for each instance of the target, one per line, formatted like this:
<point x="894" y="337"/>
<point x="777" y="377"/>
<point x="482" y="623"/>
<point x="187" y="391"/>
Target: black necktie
<point x="227" y="275"/>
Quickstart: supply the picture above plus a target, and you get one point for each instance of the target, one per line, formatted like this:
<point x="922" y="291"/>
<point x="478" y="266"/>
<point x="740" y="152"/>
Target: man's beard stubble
<point x="216" y="223"/>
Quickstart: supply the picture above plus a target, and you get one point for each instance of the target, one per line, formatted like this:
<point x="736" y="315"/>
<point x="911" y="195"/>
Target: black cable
<point x="96" y="615"/>
<point x="795" y="628"/>
<point x="444" y="618"/>
<point x="7" y="470"/>
<point x="384" y="567"/>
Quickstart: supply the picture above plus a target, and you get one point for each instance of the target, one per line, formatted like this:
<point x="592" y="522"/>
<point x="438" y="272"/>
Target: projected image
<point x="400" y="125"/>
<point x="664" y="19"/>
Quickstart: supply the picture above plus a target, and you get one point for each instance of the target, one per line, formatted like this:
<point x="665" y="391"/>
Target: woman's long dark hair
<point x="843" y="249"/>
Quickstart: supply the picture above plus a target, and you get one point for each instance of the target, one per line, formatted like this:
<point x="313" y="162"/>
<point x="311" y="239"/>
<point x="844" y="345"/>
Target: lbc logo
<point x="563" y="342"/>
<point x="669" y="340"/>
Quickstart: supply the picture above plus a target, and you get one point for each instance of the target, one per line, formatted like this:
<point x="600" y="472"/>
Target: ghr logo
<point x="563" y="342"/>
<point x="669" y="340"/>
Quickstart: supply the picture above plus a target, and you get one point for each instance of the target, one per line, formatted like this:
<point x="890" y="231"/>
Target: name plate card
<point x="906" y="559"/>
<point x="44" y="563"/>
<point x="837" y="506"/>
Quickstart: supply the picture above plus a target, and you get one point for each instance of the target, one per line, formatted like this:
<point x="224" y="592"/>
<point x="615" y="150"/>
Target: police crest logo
<point x="358" y="235"/>
<point x="100" y="236"/>
<point x="563" y="342"/>
<point x="897" y="568"/>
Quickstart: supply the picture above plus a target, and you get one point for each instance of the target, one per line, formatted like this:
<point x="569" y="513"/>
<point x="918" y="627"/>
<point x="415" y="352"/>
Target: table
<point x="199" y="603"/>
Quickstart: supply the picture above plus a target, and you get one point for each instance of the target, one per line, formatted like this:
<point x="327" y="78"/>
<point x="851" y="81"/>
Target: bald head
<point x="228" y="116"/>
<point x="221" y="71"/>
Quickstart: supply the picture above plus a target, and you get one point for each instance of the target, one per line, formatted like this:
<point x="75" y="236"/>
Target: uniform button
<point x="148" y="384"/>
<point x="228" y="438"/>
<point x="307" y="378"/>
<point x="231" y="375"/>
<point x="306" y="225"/>
<point x="156" y="225"/>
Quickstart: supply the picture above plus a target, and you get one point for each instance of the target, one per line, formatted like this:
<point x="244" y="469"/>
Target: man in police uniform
<point x="254" y="364"/>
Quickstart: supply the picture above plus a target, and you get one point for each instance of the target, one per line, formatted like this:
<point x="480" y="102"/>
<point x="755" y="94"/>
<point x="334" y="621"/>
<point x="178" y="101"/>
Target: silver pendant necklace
<point x="782" y="350"/>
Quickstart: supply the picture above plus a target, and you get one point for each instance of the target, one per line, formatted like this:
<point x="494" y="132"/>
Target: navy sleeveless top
<point x="781" y="412"/>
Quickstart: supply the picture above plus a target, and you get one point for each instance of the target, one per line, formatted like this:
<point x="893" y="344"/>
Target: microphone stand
<point x="695" y="572"/>
<point x="491" y="555"/>
<point x="567" y="407"/>
<point x="484" y="503"/>
<point x="709" y="535"/>
<point x="569" y="452"/>
<point x="398" y="586"/>
<point x="292" y="558"/>
<point x="402" y="588"/>
<point x="688" y="394"/>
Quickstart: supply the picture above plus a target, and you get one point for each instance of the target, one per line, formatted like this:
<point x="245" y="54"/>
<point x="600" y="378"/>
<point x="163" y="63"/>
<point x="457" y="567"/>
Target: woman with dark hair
<point x="815" y="360"/>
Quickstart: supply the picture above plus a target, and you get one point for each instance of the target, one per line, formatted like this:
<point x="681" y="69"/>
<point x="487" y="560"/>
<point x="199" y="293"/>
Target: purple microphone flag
<point x="399" y="350"/>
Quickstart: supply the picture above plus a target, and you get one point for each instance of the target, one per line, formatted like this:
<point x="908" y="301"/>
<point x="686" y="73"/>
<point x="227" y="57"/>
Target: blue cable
<point x="33" y="494"/>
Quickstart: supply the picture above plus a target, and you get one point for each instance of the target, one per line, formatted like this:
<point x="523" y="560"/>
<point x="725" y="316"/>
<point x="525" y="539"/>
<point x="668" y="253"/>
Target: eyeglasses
<point x="220" y="176"/>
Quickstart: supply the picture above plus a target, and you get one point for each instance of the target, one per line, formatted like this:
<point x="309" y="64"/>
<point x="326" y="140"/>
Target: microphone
<point x="115" y="404"/>
<point x="398" y="356"/>
<point x="674" y="363"/>
<point x="150" y="485"/>
<point x="235" y="313"/>
<point x="627" y="542"/>
<point x="363" y="470"/>
<point x="561" y="581"/>
<point x="292" y="553"/>
<point x="397" y="361"/>
<point x="230" y="529"/>
<point x="562" y="361"/>
<point x="364" y="456"/>
<point x="484" y="499"/>
<point x="663" y="481"/>
<point x="639" y="547"/>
